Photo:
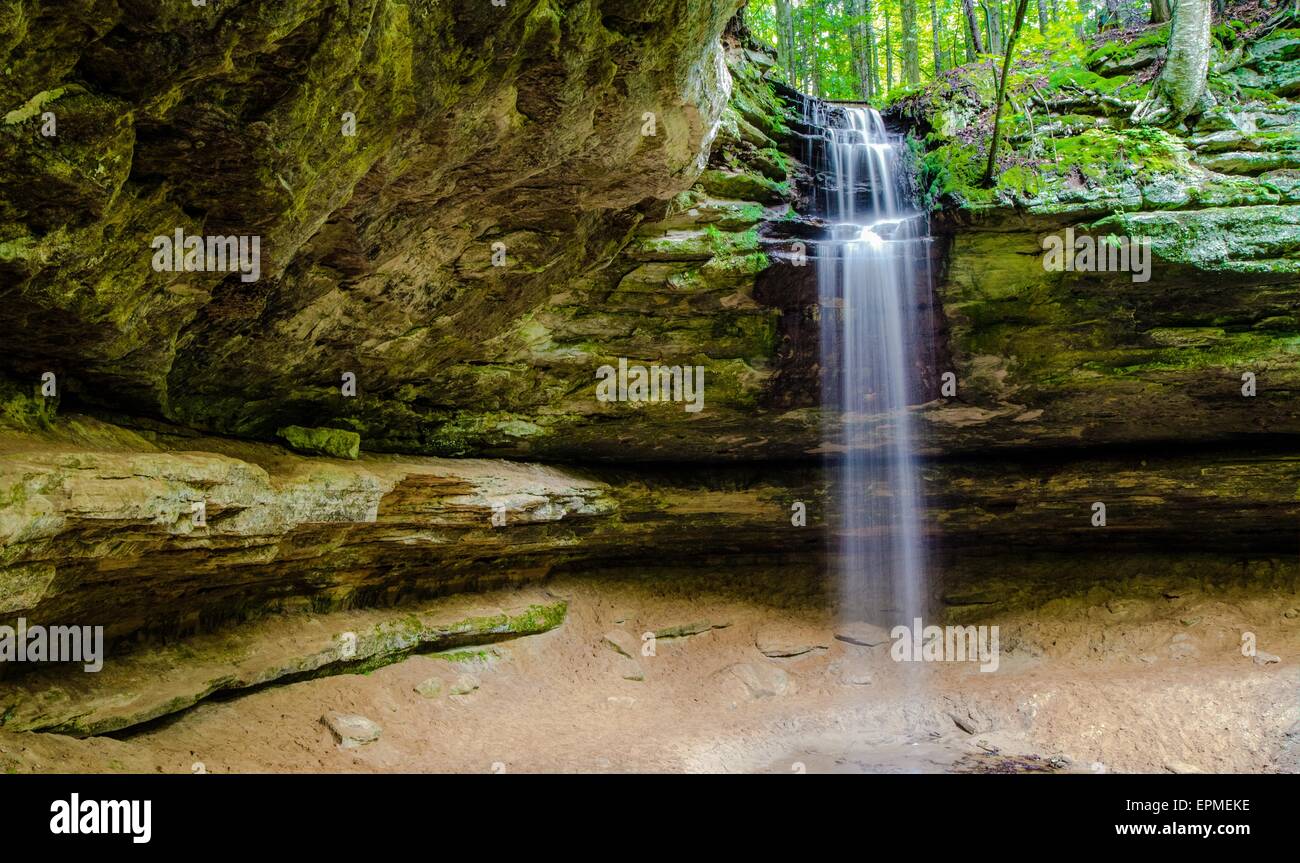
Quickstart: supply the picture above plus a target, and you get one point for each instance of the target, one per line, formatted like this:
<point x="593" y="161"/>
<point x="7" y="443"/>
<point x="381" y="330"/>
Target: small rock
<point x="1182" y="767"/>
<point x="971" y="720"/>
<point x="1262" y="658"/>
<point x="350" y="730"/>
<point x="464" y="685"/>
<point x="779" y="642"/>
<point x="628" y="668"/>
<point x="762" y="680"/>
<point x="687" y="629"/>
<point x="621" y="641"/>
<point x="862" y="634"/>
<point x="1291" y="613"/>
<point x="430" y="688"/>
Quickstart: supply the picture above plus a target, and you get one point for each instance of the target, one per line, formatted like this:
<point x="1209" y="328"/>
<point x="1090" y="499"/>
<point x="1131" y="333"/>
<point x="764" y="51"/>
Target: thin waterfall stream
<point x="873" y="346"/>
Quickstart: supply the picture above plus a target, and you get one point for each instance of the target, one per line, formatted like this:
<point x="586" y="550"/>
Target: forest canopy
<point x="869" y="49"/>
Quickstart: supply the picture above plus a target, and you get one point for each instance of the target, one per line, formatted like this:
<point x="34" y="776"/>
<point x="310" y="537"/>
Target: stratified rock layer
<point x="99" y="525"/>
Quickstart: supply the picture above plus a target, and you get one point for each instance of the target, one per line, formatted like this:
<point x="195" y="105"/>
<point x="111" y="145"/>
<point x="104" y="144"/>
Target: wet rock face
<point x="1193" y="354"/>
<point x="380" y="151"/>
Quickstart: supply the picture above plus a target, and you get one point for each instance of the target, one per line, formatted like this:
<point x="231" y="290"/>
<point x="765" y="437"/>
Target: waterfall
<point x="871" y="270"/>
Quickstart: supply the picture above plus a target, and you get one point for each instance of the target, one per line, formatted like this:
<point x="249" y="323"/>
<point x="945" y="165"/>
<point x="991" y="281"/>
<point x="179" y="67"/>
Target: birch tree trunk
<point x="1180" y="91"/>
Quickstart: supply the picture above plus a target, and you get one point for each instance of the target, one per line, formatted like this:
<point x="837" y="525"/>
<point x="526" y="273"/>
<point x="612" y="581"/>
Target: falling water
<point x="872" y="347"/>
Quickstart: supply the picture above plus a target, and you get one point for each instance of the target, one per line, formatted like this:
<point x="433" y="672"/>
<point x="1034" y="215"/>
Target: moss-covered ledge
<point x="163" y="680"/>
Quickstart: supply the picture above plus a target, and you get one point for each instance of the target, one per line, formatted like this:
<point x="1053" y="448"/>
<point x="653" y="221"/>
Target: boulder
<point x="322" y="441"/>
<point x="351" y="730"/>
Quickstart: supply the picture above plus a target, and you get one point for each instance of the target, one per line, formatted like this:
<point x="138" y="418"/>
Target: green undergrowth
<point x="1068" y="139"/>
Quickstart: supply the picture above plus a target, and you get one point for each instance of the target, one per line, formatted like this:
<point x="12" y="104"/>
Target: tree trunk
<point x="934" y="35"/>
<point x="856" y="47"/>
<point x="873" y="83"/>
<point x="1159" y="11"/>
<point x="911" y="43"/>
<point x="815" y="49"/>
<point x="972" y="28"/>
<point x="1021" y="6"/>
<point x="1108" y="17"/>
<point x="889" y="56"/>
<point x="991" y="29"/>
<point x="1180" y="90"/>
<point x="1042" y="17"/>
<point x="785" y="26"/>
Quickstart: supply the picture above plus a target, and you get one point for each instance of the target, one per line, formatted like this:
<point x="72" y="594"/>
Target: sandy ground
<point x="1153" y="686"/>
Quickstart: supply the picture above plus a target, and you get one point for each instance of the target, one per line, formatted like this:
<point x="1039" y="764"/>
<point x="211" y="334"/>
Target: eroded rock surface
<point x="383" y="152"/>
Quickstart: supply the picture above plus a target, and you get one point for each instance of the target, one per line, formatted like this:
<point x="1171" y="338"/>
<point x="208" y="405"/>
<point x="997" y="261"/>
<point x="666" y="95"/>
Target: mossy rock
<point x="744" y="185"/>
<point x="322" y="441"/>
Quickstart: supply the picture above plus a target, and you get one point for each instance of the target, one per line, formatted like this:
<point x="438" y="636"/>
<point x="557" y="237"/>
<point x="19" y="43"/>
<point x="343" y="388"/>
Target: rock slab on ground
<point x="350" y="730"/>
<point x="761" y="679"/>
<point x="783" y="641"/>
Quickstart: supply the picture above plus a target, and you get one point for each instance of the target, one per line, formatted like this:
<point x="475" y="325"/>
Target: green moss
<point x="539" y="618"/>
<point x="479" y="656"/>
<point x="1120" y="49"/>
<point x="731" y="244"/>
<point x="1086" y="80"/>
<point x="731" y="272"/>
<point x="34" y="107"/>
<point x="322" y="441"/>
<point x="26" y="409"/>
<point x="1207" y="349"/>
<point x="953" y="171"/>
<point x="743" y="185"/>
